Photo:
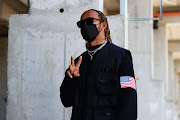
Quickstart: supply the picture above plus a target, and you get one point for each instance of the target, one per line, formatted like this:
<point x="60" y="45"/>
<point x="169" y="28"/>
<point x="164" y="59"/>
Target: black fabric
<point x="89" y="69"/>
<point x="97" y="93"/>
<point x="89" y="32"/>
<point x="67" y="88"/>
<point x="127" y="65"/>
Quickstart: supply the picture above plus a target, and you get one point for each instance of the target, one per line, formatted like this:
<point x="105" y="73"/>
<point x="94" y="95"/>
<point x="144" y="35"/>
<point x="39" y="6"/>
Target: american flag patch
<point x="127" y="81"/>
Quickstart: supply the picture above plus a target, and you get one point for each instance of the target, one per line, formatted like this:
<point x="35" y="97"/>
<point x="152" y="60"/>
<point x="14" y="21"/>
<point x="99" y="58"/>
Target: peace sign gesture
<point x="74" y="70"/>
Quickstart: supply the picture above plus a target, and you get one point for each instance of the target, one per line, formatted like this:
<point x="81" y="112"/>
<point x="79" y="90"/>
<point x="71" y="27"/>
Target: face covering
<point x="89" y="32"/>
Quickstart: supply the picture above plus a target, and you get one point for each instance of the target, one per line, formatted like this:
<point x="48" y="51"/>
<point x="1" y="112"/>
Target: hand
<point x="74" y="70"/>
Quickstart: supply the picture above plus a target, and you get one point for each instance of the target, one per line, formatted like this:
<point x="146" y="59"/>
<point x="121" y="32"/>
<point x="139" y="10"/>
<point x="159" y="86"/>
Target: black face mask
<point x="89" y="32"/>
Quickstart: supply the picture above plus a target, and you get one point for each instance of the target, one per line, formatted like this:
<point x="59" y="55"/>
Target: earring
<point x="102" y="29"/>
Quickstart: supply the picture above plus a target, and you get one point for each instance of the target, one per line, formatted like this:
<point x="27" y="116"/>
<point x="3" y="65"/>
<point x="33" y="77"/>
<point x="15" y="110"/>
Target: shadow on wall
<point x="3" y="76"/>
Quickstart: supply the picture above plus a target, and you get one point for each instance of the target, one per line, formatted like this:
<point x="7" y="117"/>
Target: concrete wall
<point x="140" y="42"/>
<point x="169" y="108"/>
<point x="164" y="68"/>
<point x="3" y="76"/>
<point x="176" y="99"/>
<point x="160" y="64"/>
<point x="39" y="50"/>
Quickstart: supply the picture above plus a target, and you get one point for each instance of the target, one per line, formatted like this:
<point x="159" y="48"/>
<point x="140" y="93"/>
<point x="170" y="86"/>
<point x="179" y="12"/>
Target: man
<point x="101" y="86"/>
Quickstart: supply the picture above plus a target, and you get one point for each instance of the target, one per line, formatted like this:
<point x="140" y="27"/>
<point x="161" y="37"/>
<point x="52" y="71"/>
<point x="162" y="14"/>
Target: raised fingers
<point x="71" y="69"/>
<point x="79" y="61"/>
<point x="69" y="74"/>
<point x="76" y="74"/>
<point x="72" y="61"/>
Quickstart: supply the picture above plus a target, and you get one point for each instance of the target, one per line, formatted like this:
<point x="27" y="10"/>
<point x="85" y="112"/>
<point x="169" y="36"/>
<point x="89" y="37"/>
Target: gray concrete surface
<point x="140" y="38"/>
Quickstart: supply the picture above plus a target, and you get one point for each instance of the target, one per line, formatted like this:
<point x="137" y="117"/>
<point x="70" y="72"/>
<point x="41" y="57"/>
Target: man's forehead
<point x="89" y="13"/>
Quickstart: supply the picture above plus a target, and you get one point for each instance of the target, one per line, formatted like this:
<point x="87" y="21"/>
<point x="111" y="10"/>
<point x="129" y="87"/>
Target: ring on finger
<point x="77" y="66"/>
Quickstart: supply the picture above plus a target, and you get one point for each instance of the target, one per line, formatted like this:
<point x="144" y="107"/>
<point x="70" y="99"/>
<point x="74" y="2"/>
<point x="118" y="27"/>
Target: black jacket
<point x="98" y="93"/>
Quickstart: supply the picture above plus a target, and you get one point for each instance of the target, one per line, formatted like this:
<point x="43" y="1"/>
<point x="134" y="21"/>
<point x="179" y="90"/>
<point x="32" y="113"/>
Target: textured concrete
<point x="140" y="34"/>
<point x="160" y="64"/>
<point x="164" y="62"/>
<point x="169" y="108"/>
<point x="177" y="92"/>
<point x="39" y="50"/>
<point x="164" y="69"/>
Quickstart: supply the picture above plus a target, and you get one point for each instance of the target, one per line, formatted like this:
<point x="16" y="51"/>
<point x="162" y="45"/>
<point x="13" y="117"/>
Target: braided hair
<point x="104" y="19"/>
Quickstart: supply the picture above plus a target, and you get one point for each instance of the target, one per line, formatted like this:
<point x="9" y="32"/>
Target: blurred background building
<point x="34" y="37"/>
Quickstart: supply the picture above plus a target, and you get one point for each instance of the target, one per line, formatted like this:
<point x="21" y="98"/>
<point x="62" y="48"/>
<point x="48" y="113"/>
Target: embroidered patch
<point x="127" y="81"/>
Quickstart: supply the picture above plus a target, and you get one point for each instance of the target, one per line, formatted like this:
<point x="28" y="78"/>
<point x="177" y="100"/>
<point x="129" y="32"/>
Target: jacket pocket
<point x="107" y="90"/>
<point x="106" y="84"/>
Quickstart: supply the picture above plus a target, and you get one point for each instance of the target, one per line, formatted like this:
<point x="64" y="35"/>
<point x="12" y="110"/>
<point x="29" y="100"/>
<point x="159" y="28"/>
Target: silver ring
<point x="77" y="66"/>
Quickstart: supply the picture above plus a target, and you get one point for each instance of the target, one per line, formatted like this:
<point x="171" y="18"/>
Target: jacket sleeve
<point x="67" y="90"/>
<point x="127" y="68"/>
<point x="128" y="88"/>
<point x="68" y="86"/>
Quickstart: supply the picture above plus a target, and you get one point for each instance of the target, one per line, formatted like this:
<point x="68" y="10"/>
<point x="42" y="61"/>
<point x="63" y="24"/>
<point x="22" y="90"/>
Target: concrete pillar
<point x="177" y="92"/>
<point x="170" y="102"/>
<point x="140" y="43"/>
<point x="179" y="96"/>
<point x="177" y="84"/>
<point x="39" y="50"/>
<point x="160" y="64"/>
<point x="162" y="61"/>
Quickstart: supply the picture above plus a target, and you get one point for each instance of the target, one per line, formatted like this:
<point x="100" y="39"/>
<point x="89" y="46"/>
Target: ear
<point x="104" y="25"/>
